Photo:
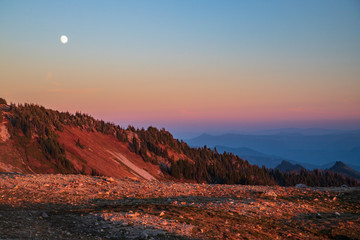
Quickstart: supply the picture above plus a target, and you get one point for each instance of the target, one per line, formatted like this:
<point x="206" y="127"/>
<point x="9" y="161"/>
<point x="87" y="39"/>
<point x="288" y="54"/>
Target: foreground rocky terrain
<point x="84" y="207"/>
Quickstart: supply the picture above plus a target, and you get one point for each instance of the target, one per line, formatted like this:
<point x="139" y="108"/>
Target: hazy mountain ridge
<point x="286" y="166"/>
<point x="297" y="131"/>
<point x="271" y="161"/>
<point x="47" y="141"/>
<point x="338" y="167"/>
<point x="310" y="149"/>
<point x="254" y="157"/>
<point x="344" y="169"/>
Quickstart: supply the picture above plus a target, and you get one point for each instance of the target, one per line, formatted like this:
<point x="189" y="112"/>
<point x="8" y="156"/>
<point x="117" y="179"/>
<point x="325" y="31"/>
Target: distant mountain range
<point x="316" y="149"/>
<point x="272" y="161"/>
<point x="286" y="166"/>
<point x="295" y="131"/>
<point x="342" y="168"/>
<point x="252" y="156"/>
<point x="338" y="167"/>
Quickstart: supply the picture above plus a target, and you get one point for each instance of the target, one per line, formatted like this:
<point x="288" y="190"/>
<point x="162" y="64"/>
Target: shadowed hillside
<point x="39" y="140"/>
<point x="342" y="168"/>
<point x="286" y="166"/>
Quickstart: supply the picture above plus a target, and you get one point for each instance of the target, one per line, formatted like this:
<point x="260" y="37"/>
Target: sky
<point x="189" y="66"/>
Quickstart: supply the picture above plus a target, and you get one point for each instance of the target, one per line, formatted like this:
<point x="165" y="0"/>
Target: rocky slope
<point x="88" y="152"/>
<point x="86" y="207"/>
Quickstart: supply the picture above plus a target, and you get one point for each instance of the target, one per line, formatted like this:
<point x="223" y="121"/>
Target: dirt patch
<point x="9" y="168"/>
<point x="4" y="133"/>
<point x="140" y="172"/>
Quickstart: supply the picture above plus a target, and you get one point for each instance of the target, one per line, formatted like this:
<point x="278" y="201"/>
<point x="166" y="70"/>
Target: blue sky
<point x="186" y="63"/>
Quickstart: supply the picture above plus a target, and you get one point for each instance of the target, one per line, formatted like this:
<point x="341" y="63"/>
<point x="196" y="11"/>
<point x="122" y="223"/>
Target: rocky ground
<point x="84" y="207"/>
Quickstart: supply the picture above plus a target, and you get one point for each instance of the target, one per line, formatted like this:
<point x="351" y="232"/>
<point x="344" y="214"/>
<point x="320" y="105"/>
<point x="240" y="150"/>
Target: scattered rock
<point x="270" y="193"/>
<point x="144" y="235"/>
<point x="136" y="209"/>
<point x="44" y="215"/>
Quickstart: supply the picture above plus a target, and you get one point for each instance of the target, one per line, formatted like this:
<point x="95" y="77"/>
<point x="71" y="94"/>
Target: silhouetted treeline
<point x="158" y="147"/>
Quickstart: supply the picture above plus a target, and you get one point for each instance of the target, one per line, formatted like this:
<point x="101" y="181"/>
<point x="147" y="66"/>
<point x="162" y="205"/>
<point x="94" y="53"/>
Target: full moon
<point x="63" y="39"/>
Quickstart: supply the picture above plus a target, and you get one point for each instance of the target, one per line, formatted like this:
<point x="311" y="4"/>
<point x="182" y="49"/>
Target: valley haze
<point x="314" y="148"/>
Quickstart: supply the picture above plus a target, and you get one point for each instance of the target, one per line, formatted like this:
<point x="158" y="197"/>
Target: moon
<point x="63" y="39"/>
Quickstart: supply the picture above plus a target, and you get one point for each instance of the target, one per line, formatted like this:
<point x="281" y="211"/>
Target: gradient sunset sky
<point x="190" y="66"/>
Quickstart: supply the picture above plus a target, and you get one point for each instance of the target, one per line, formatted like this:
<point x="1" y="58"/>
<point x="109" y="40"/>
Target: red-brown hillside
<point x="90" y="152"/>
<point x="104" y="153"/>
